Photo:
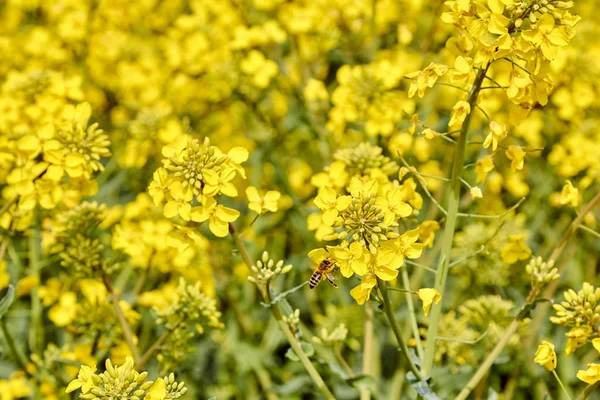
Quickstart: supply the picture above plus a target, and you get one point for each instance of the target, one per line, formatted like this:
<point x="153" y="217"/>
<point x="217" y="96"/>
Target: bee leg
<point x="331" y="281"/>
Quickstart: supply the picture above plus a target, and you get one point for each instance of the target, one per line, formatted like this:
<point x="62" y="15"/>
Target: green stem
<point x="411" y="313"/>
<point x="155" y="346"/>
<point x="448" y="237"/>
<point x="389" y="313"/>
<point x="587" y="391"/>
<point x="36" y="334"/>
<point x="561" y="384"/>
<point x="483" y="369"/>
<point x="365" y="394"/>
<point x="122" y="320"/>
<point x="292" y="339"/>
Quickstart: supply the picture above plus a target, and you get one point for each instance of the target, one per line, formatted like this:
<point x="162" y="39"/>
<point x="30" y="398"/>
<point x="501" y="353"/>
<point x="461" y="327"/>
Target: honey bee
<point x="323" y="271"/>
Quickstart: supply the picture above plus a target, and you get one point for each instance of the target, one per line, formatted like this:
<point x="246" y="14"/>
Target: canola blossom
<point x="177" y="178"/>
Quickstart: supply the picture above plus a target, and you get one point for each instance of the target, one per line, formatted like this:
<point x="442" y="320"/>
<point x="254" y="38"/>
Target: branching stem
<point x="292" y="339"/>
<point x="451" y="218"/>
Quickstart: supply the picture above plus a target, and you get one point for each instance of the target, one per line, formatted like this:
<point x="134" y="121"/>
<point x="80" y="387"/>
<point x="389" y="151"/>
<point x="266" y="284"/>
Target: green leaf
<point x="528" y="308"/>
<point x="363" y="381"/>
<point x="308" y="348"/>
<point x="7" y="300"/>
<point x="421" y="387"/>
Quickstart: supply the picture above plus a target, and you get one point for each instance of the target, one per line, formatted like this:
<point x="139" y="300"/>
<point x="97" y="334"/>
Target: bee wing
<point x="330" y="279"/>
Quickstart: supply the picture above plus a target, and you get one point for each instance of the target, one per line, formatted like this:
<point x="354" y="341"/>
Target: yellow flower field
<point x="298" y="199"/>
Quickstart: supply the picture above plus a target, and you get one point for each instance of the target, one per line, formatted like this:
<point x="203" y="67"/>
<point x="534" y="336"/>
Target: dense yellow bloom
<point x="428" y="297"/>
<point x="545" y="356"/>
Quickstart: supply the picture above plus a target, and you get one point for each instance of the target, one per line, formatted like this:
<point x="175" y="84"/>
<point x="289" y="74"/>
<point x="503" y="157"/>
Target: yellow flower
<point x="351" y="259"/>
<point x="158" y="390"/>
<point x="396" y="205"/>
<point x="545" y="356"/>
<point x="517" y="155"/>
<point x="362" y="292"/>
<point x="259" y="204"/>
<point x="577" y="337"/>
<point x="25" y="285"/>
<point x="460" y="111"/>
<point x="590" y="375"/>
<point x="331" y="205"/>
<point x="4" y="276"/>
<point x="315" y="90"/>
<point x="218" y="216"/>
<point x="83" y="381"/>
<point x="219" y="182"/>
<point x="547" y="36"/>
<point x="421" y="80"/>
<point x="497" y="132"/>
<point x="65" y="311"/>
<point x="180" y="204"/>
<point x="429" y="296"/>
<point x="569" y="195"/>
<point x="476" y="193"/>
<point x="515" y="250"/>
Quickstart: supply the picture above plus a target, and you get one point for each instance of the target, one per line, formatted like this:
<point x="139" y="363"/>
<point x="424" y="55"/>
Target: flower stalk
<point x="391" y="317"/>
<point x="451" y="218"/>
<point x="292" y="339"/>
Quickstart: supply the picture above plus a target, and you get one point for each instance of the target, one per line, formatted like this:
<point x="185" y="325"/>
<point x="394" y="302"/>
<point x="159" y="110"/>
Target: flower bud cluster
<point x="266" y="269"/>
<point x="579" y="308"/>
<point x="124" y="382"/>
<point x="541" y="272"/>
<point x="293" y="320"/>
<point x="74" y="239"/>
<point x="337" y="335"/>
<point x="364" y="159"/>
<point x="191" y="305"/>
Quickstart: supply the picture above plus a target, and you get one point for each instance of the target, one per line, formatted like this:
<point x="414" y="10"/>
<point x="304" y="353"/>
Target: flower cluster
<point x="124" y="382"/>
<point x="188" y="306"/>
<point x="52" y="164"/>
<point x="193" y="174"/>
<point x="580" y="311"/>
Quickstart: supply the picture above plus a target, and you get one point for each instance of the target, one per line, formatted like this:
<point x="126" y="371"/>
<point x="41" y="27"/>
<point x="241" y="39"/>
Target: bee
<point x="323" y="271"/>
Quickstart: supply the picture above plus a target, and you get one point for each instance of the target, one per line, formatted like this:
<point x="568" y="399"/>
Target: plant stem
<point x="14" y="351"/>
<point x="389" y="313"/>
<point x="292" y="339"/>
<point x="411" y="313"/>
<point x="561" y="384"/>
<point x="155" y="346"/>
<point x="343" y="362"/>
<point x="451" y="217"/>
<point x="36" y="334"/>
<point x="587" y="391"/>
<point x="122" y="321"/>
<point x="483" y="369"/>
<point x="365" y="394"/>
